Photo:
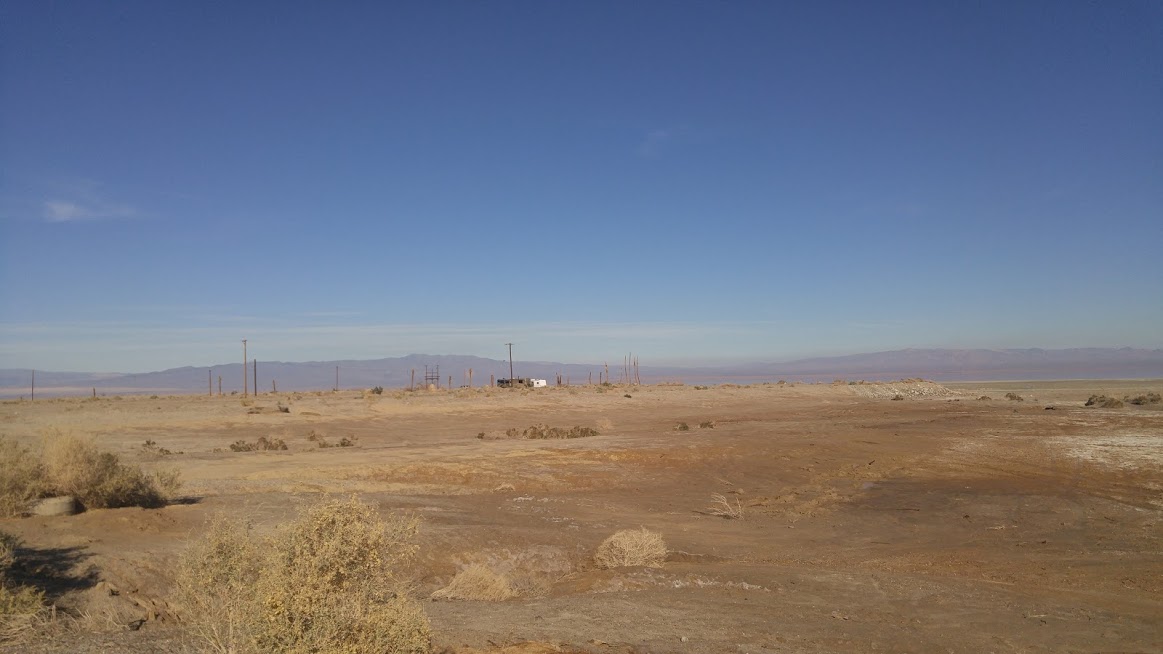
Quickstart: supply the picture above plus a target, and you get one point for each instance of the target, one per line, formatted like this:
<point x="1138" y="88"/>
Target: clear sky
<point x="690" y="181"/>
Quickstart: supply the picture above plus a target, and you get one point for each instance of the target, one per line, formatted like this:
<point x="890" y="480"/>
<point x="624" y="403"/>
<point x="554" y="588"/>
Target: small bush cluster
<point x="69" y="465"/>
<point x="707" y="424"/>
<point x="682" y="426"/>
<point x="898" y="398"/>
<point x="263" y="444"/>
<point x="1104" y="402"/>
<point x="541" y="432"/>
<point x="330" y="581"/>
<point x="632" y="547"/>
<point x="152" y="448"/>
<point x="318" y="439"/>
<point x="378" y="390"/>
<point x="985" y="398"/>
<point x="1015" y="397"/>
<point x="1149" y="398"/>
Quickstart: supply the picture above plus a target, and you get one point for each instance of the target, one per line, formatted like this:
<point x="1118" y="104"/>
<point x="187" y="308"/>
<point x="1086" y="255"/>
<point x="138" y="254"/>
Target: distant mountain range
<point x="934" y="364"/>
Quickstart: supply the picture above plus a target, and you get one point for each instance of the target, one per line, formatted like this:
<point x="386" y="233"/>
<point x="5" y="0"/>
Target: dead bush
<point x="723" y="507"/>
<point x="20" y="606"/>
<point x="263" y="444"/>
<point x="707" y="424"/>
<point x="328" y="582"/>
<point x="630" y="547"/>
<point x="1149" y="398"/>
<point x="1015" y="397"/>
<point x="21" y="477"/>
<point x="69" y="465"/>
<point x="97" y="479"/>
<point x="985" y="398"/>
<point x="477" y="582"/>
<point x="1104" y="402"/>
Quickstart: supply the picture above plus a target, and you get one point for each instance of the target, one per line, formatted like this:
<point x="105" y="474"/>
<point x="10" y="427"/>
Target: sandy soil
<point x="938" y="522"/>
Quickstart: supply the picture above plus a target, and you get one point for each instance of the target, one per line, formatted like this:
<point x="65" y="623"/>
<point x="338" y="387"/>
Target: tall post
<point x="33" y="385"/>
<point x="337" y="378"/>
<point x="245" y="383"/>
<point x="510" y="360"/>
<point x="210" y="382"/>
<point x="219" y="385"/>
<point x="256" y="377"/>
<point x="412" y="384"/>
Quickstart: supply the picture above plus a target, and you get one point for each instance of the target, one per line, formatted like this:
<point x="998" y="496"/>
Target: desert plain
<point x="897" y="517"/>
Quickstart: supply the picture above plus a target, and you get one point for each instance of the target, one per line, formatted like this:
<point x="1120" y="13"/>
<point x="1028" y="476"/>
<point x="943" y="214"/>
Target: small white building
<point x="538" y="383"/>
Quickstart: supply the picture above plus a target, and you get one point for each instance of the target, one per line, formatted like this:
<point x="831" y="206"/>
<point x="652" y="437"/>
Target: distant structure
<point x="431" y="377"/>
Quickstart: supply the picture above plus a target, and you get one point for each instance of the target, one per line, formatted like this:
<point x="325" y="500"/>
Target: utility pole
<point x="245" y="381"/>
<point x="256" y="377"/>
<point x="337" y="378"/>
<point x="510" y="361"/>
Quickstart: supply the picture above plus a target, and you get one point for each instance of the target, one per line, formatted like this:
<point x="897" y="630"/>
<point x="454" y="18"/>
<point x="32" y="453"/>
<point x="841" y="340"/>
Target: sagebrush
<point x="330" y="581"/>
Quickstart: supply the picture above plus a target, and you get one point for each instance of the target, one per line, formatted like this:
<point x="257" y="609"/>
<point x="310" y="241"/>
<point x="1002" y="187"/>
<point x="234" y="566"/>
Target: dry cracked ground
<point x="934" y="522"/>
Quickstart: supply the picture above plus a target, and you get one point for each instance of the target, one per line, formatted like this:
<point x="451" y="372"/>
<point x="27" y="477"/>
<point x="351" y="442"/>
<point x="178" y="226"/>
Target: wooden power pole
<point x="245" y="382"/>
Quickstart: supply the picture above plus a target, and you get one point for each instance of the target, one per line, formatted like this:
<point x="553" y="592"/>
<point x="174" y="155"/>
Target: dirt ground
<point x="936" y="522"/>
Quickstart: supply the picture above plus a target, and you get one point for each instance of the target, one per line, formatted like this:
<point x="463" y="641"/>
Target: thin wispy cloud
<point x="67" y="211"/>
<point x="654" y="142"/>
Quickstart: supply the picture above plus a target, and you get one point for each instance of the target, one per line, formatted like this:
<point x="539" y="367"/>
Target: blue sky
<point x="691" y="181"/>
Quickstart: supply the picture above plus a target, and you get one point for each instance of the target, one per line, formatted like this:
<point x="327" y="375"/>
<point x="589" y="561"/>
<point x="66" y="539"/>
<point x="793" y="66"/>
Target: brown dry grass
<point x="631" y="547"/>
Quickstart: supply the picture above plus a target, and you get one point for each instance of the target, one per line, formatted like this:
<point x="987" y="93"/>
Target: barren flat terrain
<point x="932" y="522"/>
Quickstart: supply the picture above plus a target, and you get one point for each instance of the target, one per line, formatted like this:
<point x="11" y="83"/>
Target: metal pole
<point x="256" y="377"/>
<point x="510" y="360"/>
<point x="245" y="385"/>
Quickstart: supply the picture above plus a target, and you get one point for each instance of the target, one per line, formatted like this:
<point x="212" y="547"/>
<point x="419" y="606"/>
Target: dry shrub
<point x="75" y="466"/>
<point x="1015" y="397"/>
<point x="477" y="582"/>
<point x="1104" y="402"/>
<point x="21" y="477"/>
<point x="1140" y="400"/>
<point x="69" y="465"/>
<point x="327" y="582"/>
<point x="723" y="507"/>
<point x="20" y="606"/>
<point x="630" y="547"/>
